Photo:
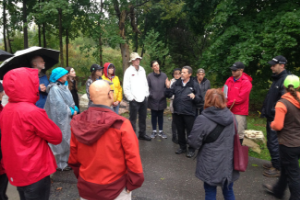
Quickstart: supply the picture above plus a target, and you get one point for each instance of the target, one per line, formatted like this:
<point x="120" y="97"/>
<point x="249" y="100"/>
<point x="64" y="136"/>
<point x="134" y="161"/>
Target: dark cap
<point x="237" y="65"/>
<point x="95" y="67"/>
<point x="278" y="60"/>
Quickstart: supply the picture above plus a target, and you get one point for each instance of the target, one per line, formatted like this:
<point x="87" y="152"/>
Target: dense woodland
<point x="211" y="34"/>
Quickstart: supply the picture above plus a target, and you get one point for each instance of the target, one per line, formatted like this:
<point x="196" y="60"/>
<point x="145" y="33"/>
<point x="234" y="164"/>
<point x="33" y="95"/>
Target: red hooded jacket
<point x="26" y="130"/>
<point x="238" y="93"/>
<point x="104" y="154"/>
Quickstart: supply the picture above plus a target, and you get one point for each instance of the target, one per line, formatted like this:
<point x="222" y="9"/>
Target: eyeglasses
<point x="111" y="91"/>
<point x="235" y="70"/>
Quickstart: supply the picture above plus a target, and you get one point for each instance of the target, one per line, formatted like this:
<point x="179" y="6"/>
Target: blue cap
<point x="57" y="73"/>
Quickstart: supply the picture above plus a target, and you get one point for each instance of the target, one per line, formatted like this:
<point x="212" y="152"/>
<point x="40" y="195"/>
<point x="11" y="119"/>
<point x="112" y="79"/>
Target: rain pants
<point x="60" y="107"/>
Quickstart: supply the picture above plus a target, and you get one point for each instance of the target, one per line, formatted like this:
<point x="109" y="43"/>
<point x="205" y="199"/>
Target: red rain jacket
<point x="104" y="154"/>
<point x="26" y="130"/>
<point x="239" y="92"/>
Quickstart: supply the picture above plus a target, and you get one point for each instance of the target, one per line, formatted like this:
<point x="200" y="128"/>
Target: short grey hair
<point x="33" y="59"/>
<point x="190" y="70"/>
<point x="200" y="71"/>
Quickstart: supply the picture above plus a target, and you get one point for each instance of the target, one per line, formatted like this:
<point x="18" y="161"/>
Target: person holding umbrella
<point x="38" y="62"/>
<point x="60" y="108"/>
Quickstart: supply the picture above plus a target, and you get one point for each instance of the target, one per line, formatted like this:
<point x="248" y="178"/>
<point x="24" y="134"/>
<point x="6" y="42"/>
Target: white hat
<point x="134" y="56"/>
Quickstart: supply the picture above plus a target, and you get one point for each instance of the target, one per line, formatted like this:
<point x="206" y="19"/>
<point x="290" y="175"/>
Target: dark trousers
<point x="157" y="116"/>
<point x="273" y="146"/>
<point x="140" y="108"/>
<point x="174" y="128"/>
<point x="36" y="191"/>
<point x="199" y="111"/>
<point x="290" y="172"/>
<point x="211" y="192"/>
<point x="3" y="187"/>
<point x="184" y="122"/>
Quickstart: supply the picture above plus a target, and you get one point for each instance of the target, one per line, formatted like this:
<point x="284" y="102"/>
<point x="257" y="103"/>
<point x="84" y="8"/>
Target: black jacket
<point x="182" y="103"/>
<point x="204" y="86"/>
<point x="75" y="94"/>
<point x="275" y="92"/>
<point x="157" y="87"/>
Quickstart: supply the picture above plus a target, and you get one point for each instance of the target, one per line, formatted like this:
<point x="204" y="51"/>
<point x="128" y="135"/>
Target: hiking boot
<point x="272" y="172"/>
<point x="269" y="189"/>
<point x="180" y="151"/>
<point x="162" y="135"/>
<point x="145" y="137"/>
<point x="153" y="135"/>
<point x="267" y="165"/>
<point x="67" y="168"/>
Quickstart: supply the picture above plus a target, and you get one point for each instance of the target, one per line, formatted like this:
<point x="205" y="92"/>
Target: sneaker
<point x="162" y="135"/>
<point x="153" y="134"/>
<point x="190" y="154"/>
<point x="272" y="172"/>
<point x="267" y="165"/>
<point x="180" y="151"/>
<point x="67" y="168"/>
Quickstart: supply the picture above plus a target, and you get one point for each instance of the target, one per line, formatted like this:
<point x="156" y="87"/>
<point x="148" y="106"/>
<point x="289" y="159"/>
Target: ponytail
<point x="293" y="92"/>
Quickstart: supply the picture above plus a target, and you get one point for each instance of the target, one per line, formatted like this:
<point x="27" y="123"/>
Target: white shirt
<point x="135" y="84"/>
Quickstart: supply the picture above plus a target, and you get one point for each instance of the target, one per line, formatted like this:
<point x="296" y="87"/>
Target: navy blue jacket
<point x="43" y="95"/>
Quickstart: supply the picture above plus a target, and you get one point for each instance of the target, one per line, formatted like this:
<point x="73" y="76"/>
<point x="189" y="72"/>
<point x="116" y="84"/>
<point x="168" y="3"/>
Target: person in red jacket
<point x="237" y="90"/>
<point x="3" y="177"/>
<point x="104" y="149"/>
<point x="26" y="131"/>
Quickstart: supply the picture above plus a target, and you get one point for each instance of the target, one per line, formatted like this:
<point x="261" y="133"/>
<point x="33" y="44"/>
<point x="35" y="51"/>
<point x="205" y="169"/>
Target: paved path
<point x="168" y="176"/>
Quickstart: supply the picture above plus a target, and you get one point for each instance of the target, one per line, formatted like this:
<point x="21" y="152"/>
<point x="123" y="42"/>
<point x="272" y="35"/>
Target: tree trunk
<point x="39" y="31"/>
<point x="4" y="25"/>
<point x="25" y="25"/>
<point x="40" y="42"/>
<point x="60" y="38"/>
<point x="67" y="47"/>
<point x="125" y="55"/>
<point x="100" y="36"/>
<point x="8" y="41"/>
<point x="44" y="35"/>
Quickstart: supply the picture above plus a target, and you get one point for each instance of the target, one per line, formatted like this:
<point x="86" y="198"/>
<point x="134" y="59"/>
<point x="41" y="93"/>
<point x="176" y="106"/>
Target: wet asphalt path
<point x="169" y="176"/>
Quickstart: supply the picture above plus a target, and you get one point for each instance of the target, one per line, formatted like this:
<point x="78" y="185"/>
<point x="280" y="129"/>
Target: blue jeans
<point x="116" y="109"/>
<point x="211" y="192"/>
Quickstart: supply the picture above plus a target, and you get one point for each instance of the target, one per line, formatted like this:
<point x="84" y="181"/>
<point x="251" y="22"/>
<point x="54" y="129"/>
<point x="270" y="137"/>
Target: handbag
<point x="240" y="153"/>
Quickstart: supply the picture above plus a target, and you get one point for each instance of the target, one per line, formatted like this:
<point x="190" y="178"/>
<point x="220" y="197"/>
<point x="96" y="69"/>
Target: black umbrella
<point x="22" y="59"/>
<point x="4" y="55"/>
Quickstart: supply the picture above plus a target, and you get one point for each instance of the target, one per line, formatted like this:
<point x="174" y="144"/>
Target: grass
<point x="254" y="122"/>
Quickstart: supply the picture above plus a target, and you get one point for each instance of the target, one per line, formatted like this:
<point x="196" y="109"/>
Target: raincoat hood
<point x="57" y="73"/>
<point x="105" y="70"/>
<point x="246" y="76"/>
<point x="90" y="125"/>
<point x="22" y="85"/>
<point x="219" y="116"/>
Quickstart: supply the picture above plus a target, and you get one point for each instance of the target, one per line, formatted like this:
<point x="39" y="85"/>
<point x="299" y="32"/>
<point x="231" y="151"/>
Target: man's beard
<point x="41" y="67"/>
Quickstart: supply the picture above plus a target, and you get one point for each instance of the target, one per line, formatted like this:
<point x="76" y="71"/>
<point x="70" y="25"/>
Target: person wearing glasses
<point x="38" y="62"/>
<point x="96" y="74"/>
<point x="238" y="88"/>
<point x="136" y="91"/>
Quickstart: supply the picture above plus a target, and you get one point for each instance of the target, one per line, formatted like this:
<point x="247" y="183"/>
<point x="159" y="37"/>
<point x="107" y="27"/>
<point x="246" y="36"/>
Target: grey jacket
<point x="215" y="160"/>
<point x="157" y="86"/>
<point x="204" y="86"/>
<point x="87" y="86"/>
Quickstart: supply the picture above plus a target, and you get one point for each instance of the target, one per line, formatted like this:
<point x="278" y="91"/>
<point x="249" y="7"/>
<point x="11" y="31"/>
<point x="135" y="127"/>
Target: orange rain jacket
<point x="104" y="154"/>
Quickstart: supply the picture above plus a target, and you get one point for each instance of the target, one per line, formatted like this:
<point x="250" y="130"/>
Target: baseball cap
<point x="278" y="60"/>
<point x="291" y="80"/>
<point x="95" y="67"/>
<point x="237" y="65"/>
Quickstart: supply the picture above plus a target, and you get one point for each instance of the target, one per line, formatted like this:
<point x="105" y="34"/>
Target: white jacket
<point x="135" y="84"/>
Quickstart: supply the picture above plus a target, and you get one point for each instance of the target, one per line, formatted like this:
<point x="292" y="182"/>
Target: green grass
<point x="254" y="122"/>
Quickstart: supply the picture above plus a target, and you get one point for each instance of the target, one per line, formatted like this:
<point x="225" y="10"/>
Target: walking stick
<point x="232" y="105"/>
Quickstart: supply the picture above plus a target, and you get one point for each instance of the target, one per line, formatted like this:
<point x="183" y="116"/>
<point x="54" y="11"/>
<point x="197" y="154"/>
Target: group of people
<point x="43" y="130"/>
